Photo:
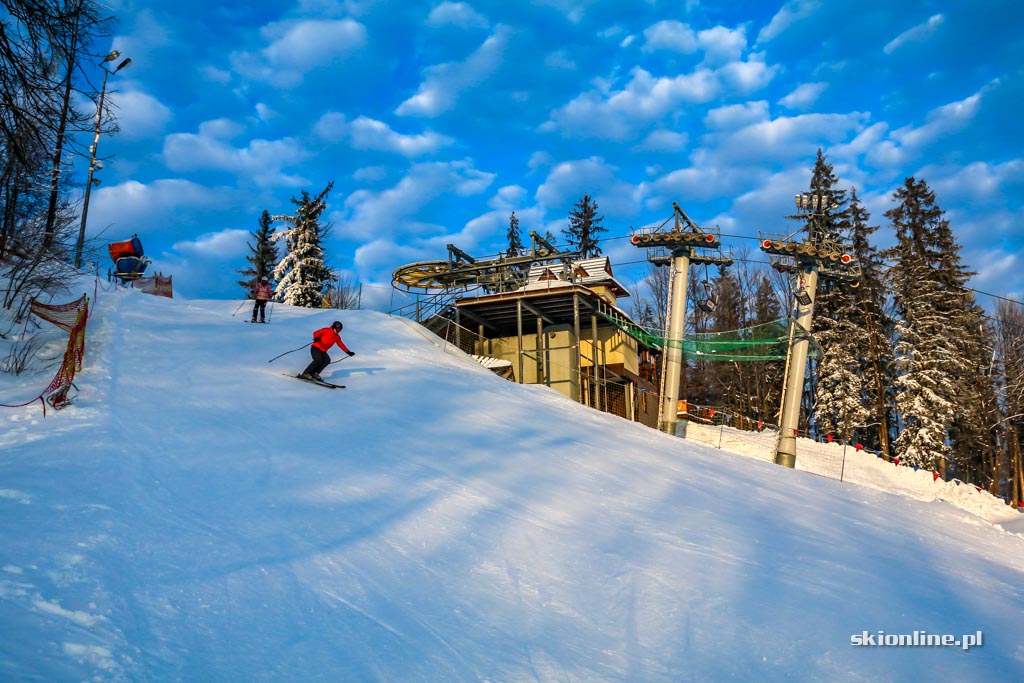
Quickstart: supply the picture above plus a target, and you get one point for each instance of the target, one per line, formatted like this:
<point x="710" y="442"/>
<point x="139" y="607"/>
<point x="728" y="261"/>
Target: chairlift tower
<point x="818" y="255"/>
<point x="684" y="243"/>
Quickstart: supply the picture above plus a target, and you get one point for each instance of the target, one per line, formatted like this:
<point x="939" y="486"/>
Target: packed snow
<point x="197" y="515"/>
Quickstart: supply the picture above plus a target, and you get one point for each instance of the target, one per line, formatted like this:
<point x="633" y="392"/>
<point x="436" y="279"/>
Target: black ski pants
<point x="261" y="307"/>
<point x="320" y="361"/>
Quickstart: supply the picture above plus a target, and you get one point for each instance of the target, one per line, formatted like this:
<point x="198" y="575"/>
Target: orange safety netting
<point x="71" y="318"/>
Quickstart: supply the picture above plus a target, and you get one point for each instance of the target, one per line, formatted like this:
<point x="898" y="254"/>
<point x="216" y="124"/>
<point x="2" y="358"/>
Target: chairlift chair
<point x="708" y="303"/>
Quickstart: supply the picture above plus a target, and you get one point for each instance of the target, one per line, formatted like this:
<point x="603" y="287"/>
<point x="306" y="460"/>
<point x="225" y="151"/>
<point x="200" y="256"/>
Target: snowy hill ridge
<point x="195" y="515"/>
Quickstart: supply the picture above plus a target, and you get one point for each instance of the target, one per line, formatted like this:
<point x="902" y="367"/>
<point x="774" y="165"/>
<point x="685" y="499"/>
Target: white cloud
<point x="215" y="75"/>
<point x="397" y="209"/>
<point x="573" y="10"/>
<point x="664" y="141"/>
<point x="264" y="112"/>
<point x="778" y="139"/>
<point x="509" y="197"/>
<point x="719" y="44"/>
<point x="297" y="47"/>
<point x="195" y="263"/>
<point x="370" y="174"/>
<point x="559" y="60"/>
<point x="222" y="128"/>
<point x="804" y="95"/>
<point x="944" y="119"/>
<point x="131" y="206"/>
<point x="749" y="76"/>
<point x="214" y="244"/>
<point x="139" y="114"/>
<point x="722" y="45"/>
<point x="791" y="12"/>
<point x="737" y="115"/>
<point x="367" y="133"/>
<point x="670" y="35"/>
<point x="976" y="184"/>
<point x="456" y="14"/>
<point x="915" y="34"/>
<point x="569" y="180"/>
<point x="906" y="143"/>
<point x="703" y="182"/>
<point x="645" y="99"/>
<point x="443" y="83"/>
<point x="262" y="161"/>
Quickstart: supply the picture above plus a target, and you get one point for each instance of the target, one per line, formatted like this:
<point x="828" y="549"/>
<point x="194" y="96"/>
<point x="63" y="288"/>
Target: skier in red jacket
<point x="323" y="339"/>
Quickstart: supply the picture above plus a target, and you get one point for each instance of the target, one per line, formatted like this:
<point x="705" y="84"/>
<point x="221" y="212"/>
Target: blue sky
<point x="435" y="120"/>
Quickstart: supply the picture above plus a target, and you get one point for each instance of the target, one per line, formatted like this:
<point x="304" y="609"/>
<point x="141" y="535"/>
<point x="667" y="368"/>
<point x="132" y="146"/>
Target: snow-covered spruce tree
<point x="584" y="227"/>
<point x="262" y="256"/>
<point x="929" y="333"/>
<point x="515" y="237"/>
<point x="1010" y="348"/>
<point x="829" y="303"/>
<point x="974" y="443"/>
<point x="869" y="315"/>
<point x="302" y="275"/>
<point x="839" y="409"/>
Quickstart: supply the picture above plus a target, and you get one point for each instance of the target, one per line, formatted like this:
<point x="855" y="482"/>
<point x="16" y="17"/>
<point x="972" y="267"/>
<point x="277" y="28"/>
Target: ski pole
<point x="338" y="361"/>
<point x="292" y="351"/>
<point x="239" y="307"/>
<point x="270" y="316"/>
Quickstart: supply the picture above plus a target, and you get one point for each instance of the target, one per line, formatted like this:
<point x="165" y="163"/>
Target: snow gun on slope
<point x="129" y="260"/>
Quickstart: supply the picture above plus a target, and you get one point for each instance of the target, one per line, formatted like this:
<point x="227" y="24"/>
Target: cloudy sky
<point x="435" y="120"/>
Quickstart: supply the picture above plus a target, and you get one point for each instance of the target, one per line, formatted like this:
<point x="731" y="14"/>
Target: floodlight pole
<point x="93" y="162"/>
<point x="785" y="452"/>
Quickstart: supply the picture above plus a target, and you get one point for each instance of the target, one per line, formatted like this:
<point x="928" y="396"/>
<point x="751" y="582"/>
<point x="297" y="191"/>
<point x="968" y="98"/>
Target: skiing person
<point x="323" y="339"/>
<point x="261" y="292"/>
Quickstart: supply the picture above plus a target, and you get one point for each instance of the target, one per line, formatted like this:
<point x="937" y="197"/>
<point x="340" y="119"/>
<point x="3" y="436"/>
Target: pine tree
<point x="515" y="238"/>
<point x="263" y="254"/>
<point x="303" y="276"/>
<point x="584" y="227"/>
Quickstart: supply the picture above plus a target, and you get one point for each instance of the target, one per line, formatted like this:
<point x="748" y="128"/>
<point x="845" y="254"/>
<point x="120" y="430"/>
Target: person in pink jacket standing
<point x="262" y="293"/>
<point x="323" y="339"/>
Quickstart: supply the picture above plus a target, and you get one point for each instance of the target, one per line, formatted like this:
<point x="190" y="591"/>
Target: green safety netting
<point x="768" y="341"/>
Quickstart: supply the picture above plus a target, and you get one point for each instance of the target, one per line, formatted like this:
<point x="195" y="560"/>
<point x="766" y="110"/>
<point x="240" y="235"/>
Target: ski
<point x="321" y="383"/>
<point x="261" y="322"/>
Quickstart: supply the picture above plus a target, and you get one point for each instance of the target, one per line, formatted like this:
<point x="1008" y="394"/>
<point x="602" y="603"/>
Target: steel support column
<point x="674" y="345"/>
<point x="785" y="452"/>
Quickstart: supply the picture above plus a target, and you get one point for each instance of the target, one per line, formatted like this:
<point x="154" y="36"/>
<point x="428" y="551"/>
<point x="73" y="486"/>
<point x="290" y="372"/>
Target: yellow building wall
<point x="617" y="346"/>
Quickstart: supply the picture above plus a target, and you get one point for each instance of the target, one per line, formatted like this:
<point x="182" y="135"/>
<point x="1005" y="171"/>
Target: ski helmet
<point x="265" y="279"/>
<point x="336" y="326"/>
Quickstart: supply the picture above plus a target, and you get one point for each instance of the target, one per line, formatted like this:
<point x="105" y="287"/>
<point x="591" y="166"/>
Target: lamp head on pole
<point x="114" y="54"/>
<point x="126" y="62"/>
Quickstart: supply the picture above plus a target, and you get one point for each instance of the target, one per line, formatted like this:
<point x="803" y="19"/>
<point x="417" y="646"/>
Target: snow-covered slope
<point x="195" y="515"/>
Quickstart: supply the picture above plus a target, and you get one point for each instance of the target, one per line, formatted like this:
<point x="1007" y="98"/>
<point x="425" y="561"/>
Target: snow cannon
<point x="129" y="259"/>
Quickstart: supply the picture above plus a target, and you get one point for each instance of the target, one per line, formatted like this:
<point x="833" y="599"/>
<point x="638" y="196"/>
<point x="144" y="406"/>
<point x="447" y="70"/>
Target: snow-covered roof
<point x="492" y="363"/>
<point x="589" y="272"/>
